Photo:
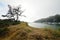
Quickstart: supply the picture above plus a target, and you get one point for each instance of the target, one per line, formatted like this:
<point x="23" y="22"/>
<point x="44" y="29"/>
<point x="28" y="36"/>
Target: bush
<point x="7" y="22"/>
<point x="3" y="32"/>
<point x="15" y="22"/>
<point x="4" y="24"/>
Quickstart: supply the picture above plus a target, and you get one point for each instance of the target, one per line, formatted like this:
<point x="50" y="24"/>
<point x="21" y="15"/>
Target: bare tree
<point x="14" y="11"/>
<point x="18" y="12"/>
<point x="10" y="14"/>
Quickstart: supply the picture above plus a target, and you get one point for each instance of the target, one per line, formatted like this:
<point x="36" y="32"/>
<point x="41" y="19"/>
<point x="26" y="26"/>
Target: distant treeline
<point x="55" y="18"/>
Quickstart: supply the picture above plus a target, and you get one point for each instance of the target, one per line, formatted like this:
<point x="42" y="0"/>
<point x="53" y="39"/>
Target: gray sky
<point x="35" y="9"/>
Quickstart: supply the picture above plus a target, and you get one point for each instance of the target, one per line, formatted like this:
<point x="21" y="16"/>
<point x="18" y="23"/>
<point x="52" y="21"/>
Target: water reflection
<point x="43" y="25"/>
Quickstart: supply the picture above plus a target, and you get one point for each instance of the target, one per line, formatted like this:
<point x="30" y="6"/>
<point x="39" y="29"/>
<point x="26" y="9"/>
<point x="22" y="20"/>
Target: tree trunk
<point x="17" y="17"/>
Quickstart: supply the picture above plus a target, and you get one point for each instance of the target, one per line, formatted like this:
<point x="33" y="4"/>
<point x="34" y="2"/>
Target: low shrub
<point x="3" y="32"/>
<point x="7" y="22"/>
<point x="15" y="22"/>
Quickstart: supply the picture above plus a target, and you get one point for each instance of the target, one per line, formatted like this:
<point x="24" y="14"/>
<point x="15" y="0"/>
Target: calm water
<point x="43" y="25"/>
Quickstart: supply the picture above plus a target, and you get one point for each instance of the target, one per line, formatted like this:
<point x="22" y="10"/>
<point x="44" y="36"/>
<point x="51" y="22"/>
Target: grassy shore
<point x="24" y="32"/>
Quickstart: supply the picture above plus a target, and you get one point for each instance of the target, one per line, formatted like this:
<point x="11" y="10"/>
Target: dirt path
<point x="12" y="35"/>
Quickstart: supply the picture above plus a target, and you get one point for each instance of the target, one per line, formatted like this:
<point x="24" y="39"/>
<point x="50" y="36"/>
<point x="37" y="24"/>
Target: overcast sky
<point x="34" y="9"/>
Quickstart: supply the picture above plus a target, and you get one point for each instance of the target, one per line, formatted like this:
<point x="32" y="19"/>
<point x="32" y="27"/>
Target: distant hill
<point x="55" y="18"/>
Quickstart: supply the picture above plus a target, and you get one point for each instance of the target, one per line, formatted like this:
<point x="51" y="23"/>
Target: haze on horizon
<point x="34" y="9"/>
